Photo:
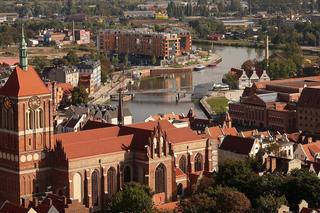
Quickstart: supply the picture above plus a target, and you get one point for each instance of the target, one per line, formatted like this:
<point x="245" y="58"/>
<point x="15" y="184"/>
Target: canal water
<point x="145" y="105"/>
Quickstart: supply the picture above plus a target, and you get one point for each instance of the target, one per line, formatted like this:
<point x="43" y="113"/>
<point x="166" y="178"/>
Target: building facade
<point x="63" y="74"/>
<point x="143" y="44"/>
<point x="93" y="70"/>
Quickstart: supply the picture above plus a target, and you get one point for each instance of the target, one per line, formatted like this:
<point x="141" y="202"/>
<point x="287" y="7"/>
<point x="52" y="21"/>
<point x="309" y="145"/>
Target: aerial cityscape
<point x="159" y="106"/>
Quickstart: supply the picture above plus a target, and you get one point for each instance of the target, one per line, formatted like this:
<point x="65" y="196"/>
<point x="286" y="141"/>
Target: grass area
<point x="218" y="104"/>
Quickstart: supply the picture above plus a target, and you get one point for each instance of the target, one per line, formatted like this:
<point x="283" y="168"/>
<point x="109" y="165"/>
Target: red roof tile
<point x="182" y="135"/>
<point x="24" y="83"/>
<point x="215" y="132"/>
<point x="86" y="148"/>
<point x="179" y="172"/>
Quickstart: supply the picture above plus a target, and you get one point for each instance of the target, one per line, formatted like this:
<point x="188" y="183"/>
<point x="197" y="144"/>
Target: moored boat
<point x="199" y="67"/>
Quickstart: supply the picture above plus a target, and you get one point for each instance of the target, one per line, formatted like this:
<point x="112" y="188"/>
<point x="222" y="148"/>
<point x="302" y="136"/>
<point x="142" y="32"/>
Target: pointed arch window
<point x="160" y="179"/>
<point x="127" y="174"/>
<point x="95" y="188"/>
<point x="112" y="181"/>
<point x="183" y="164"/>
<point x="198" y="162"/>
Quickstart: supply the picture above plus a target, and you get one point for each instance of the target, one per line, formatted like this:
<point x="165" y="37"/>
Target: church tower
<point x="26" y="130"/>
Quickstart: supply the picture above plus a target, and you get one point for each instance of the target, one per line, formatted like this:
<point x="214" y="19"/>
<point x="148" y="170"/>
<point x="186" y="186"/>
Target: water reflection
<point x="146" y="105"/>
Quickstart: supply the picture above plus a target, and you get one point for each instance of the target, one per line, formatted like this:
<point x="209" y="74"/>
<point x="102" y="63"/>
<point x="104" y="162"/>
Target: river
<point x="231" y="57"/>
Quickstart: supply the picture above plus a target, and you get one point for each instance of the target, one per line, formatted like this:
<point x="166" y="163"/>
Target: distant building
<point x="62" y="74"/>
<point x="140" y="45"/>
<point x="308" y="152"/>
<point x="90" y="72"/>
<point x="8" y="17"/>
<point x="139" y="14"/>
<point x="81" y="36"/>
<point x="308" y="110"/>
<point x="247" y="79"/>
<point x="276" y="105"/>
<point x="185" y="38"/>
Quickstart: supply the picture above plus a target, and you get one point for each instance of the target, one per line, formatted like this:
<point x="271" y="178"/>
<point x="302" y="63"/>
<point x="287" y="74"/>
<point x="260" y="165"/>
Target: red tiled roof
<point x="9" y="207"/>
<point x="65" y="86"/>
<point x="86" y="148"/>
<point x="237" y="144"/>
<point x="215" y="132"/>
<point x="310" y="149"/>
<point x="181" y="135"/>
<point x="230" y="131"/>
<point x="24" y="83"/>
<point x="164" y="125"/>
<point x="179" y="172"/>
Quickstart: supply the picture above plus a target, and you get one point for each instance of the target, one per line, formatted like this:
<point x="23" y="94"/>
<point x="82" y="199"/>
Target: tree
<point x="79" y="96"/>
<point x="198" y="203"/>
<point x="248" y="65"/>
<point x="231" y="201"/>
<point x="235" y="5"/>
<point x="133" y="198"/>
<point x="40" y="62"/>
<point x="126" y="60"/>
<point x="115" y="60"/>
<point x="154" y="60"/>
<point x="72" y="57"/>
<point x="269" y="203"/>
<point x="308" y="186"/>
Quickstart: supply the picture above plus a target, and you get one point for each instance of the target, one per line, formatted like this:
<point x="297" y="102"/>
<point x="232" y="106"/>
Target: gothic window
<point x="112" y="181"/>
<point x="41" y="118"/>
<point x="198" y="162"/>
<point x="127" y="174"/>
<point x="31" y="119"/>
<point x="160" y="179"/>
<point x="95" y="188"/>
<point x="77" y="187"/>
<point x="183" y="164"/>
<point x="11" y="119"/>
<point x="4" y="118"/>
<point x="180" y="189"/>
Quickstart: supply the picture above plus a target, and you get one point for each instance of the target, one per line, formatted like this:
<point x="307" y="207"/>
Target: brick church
<point x="93" y="164"/>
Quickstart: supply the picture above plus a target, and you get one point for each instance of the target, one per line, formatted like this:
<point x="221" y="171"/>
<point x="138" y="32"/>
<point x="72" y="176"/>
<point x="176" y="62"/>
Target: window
<point x="183" y="164"/>
<point x="198" y="162"/>
<point x="95" y="188"/>
<point x="112" y="181"/>
<point x="127" y="174"/>
<point x="160" y="179"/>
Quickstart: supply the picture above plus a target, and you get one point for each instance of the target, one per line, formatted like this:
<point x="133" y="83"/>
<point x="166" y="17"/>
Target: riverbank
<point x="236" y="43"/>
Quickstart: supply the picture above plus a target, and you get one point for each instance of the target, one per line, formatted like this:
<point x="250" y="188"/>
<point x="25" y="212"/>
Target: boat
<point x="199" y="67"/>
<point x="212" y="65"/>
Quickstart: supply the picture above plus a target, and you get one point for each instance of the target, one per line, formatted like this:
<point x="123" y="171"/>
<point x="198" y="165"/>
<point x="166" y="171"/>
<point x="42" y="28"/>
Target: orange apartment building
<point x="143" y="44"/>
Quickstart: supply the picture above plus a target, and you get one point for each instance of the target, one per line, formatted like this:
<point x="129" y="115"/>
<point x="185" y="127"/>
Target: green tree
<point x="154" y="60"/>
<point x="79" y="96"/>
<point x="133" y="198"/>
<point x="269" y="203"/>
<point x="39" y="63"/>
<point x="115" y="60"/>
<point x="198" y="203"/>
<point x="72" y="57"/>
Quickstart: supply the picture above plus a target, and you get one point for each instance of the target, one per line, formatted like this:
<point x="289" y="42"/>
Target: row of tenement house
<point x="86" y="74"/>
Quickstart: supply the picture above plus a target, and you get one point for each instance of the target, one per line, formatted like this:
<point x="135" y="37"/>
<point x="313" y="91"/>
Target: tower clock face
<point x="7" y="103"/>
<point x="34" y="102"/>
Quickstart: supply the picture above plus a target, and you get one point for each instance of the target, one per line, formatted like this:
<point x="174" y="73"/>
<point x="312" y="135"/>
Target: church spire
<point x="120" y="108"/>
<point x="23" y="51"/>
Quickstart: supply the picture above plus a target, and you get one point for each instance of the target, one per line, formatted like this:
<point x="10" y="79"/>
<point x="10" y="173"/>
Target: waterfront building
<point x="93" y="164"/>
<point x="272" y="104"/>
<point x="142" y="45"/>
<point x="185" y="38"/>
<point x="248" y="78"/>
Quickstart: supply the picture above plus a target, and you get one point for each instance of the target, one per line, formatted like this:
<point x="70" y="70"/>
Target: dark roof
<point x="237" y="144"/>
<point x="9" y="207"/>
<point x="310" y="97"/>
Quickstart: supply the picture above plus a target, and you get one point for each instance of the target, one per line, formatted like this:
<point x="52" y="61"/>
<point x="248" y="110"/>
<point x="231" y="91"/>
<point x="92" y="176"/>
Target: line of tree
<point x="180" y="11"/>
